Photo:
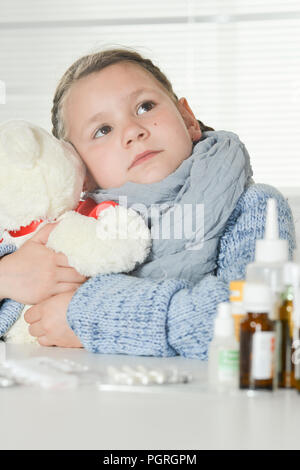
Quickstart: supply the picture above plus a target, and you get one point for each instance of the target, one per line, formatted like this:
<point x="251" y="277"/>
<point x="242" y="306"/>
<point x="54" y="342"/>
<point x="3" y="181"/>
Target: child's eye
<point x="147" y="105"/>
<point x="102" y="131"/>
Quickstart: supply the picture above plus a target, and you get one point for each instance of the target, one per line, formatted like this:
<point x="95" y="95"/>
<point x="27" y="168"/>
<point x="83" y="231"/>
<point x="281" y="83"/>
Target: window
<point x="236" y="61"/>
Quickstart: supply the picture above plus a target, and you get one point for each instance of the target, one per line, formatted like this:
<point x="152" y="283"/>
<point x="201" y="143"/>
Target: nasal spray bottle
<point x="224" y="352"/>
<point x="271" y="255"/>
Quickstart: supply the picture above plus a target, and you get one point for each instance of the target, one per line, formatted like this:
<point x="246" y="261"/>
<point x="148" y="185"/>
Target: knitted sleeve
<point x="6" y="249"/>
<point x="9" y="309"/>
<point x="122" y="314"/>
<point x="246" y="225"/>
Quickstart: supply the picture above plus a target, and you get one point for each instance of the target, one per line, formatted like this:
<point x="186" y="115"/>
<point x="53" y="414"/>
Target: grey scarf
<point x="188" y="210"/>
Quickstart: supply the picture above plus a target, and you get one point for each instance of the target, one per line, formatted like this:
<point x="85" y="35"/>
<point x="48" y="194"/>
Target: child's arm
<point x="120" y="314"/>
<point x="34" y="272"/>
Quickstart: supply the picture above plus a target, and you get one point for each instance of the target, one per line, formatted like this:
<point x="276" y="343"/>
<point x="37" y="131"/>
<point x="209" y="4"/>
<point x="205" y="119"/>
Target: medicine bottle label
<point x="296" y="358"/>
<point x="228" y="364"/>
<point x="263" y="347"/>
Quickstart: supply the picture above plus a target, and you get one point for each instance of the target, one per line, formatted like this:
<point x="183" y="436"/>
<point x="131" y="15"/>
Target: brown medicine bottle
<point x="257" y="339"/>
<point x="285" y="337"/>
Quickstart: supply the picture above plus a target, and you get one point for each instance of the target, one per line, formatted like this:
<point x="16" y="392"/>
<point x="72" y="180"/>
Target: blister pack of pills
<point x="61" y="374"/>
<point x="38" y="371"/>
<point x="128" y="378"/>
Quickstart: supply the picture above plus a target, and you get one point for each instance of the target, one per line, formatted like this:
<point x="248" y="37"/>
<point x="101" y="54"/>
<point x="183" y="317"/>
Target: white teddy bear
<point x="41" y="180"/>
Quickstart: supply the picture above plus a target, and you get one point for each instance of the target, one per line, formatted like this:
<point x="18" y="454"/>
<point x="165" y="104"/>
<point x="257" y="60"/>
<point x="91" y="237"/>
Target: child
<point x="140" y="142"/>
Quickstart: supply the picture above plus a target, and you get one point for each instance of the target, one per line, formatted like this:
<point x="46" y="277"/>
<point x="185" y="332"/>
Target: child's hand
<point x="35" y="272"/>
<point x="48" y="322"/>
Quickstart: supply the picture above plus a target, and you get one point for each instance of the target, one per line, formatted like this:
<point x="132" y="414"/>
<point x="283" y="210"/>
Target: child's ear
<point x="191" y="122"/>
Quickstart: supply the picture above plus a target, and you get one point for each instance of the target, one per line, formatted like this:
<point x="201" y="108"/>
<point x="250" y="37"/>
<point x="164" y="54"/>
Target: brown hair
<point x="93" y="63"/>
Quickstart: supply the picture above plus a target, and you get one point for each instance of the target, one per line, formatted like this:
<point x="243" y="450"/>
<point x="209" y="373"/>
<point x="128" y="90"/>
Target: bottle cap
<point x="257" y="297"/>
<point x="224" y="325"/>
<point x="236" y="291"/>
<point x="271" y="249"/>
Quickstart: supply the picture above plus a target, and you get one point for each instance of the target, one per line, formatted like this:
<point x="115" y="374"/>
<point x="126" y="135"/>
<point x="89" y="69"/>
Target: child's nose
<point x="134" y="132"/>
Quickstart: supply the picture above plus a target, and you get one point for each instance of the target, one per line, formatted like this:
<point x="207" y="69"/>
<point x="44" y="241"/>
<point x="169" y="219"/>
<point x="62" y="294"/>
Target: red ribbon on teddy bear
<point x="87" y="207"/>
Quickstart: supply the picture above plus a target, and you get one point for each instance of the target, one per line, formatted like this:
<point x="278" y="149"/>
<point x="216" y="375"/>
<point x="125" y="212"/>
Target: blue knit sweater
<point x="123" y="314"/>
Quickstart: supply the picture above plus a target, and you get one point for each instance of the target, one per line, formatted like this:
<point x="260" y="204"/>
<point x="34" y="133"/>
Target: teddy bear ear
<point x="19" y="144"/>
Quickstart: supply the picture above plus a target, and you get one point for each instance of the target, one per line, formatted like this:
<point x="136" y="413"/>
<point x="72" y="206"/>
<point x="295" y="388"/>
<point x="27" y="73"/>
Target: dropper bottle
<point x="270" y="255"/>
<point x="223" y="361"/>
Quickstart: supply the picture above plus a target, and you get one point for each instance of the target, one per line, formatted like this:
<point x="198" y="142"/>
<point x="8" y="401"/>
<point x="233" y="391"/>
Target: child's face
<point x="115" y="115"/>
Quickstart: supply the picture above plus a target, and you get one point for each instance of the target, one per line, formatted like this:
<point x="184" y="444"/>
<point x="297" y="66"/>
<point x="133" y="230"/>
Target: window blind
<point x="236" y="61"/>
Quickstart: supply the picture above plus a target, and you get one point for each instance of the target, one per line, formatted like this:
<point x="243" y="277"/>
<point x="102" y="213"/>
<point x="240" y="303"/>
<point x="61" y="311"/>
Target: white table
<point x="184" y="417"/>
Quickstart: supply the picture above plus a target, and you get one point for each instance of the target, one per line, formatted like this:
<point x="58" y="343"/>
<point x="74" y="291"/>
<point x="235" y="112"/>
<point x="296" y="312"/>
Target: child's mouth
<point x="144" y="157"/>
